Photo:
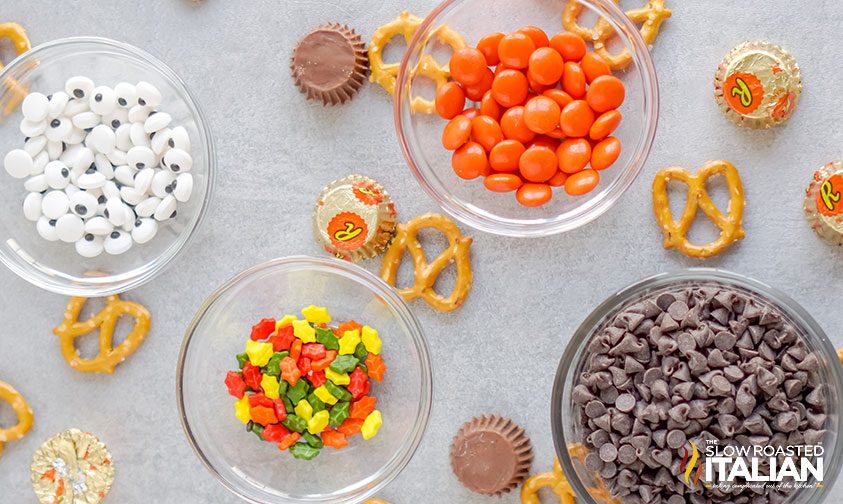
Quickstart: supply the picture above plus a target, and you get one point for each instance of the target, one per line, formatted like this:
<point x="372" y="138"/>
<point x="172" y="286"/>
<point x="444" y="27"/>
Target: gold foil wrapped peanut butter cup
<point x="824" y="202"/>
<point x="354" y="218"/>
<point x="758" y="85"/>
<point x="72" y="467"/>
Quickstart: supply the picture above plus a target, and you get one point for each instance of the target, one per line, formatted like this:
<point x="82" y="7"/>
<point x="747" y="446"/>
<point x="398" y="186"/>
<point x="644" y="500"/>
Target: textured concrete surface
<point x="275" y="151"/>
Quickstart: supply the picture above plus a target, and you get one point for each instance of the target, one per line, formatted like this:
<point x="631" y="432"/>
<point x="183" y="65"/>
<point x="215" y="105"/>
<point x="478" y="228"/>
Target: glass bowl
<point x="258" y="471"/>
<point x="420" y="134"/>
<point x="566" y="427"/>
<point x="56" y="266"/>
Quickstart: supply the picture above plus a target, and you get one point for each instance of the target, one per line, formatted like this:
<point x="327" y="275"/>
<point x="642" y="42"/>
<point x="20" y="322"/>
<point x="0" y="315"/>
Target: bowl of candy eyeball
<point x="304" y="380"/>
<point x="108" y="166"/>
<point x="519" y="124"/>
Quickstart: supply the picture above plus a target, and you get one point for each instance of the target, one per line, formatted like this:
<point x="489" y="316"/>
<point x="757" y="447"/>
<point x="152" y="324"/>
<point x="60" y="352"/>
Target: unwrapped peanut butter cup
<point x="491" y="455"/>
<point x="329" y="64"/>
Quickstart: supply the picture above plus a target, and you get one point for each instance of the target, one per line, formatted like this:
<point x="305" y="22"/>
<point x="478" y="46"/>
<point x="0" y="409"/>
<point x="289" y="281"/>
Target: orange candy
<point x="512" y="124"/>
<point x="488" y="45"/>
<point x="514" y="50"/>
<point x="558" y="179"/>
<point x="467" y="66"/>
<point x="573" y="80"/>
<point x="594" y="66"/>
<point x="574" y="154"/>
<point x="475" y="92"/>
<point x="533" y="195"/>
<point x="582" y="182"/>
<point x="537" y="34"/>
<point x="538" y="164"/>
<point x="486" y="131"/>
<point x="505" y="155"/>
<point x="560" y="97"/>
<point x="544" y="141"/>
<point x="502" y="182"/>
<point x="546" y="66"/>
<point x="604" y="125"/>
<point x="510" y="88"/>
<point x="490" y="107"/>
<point x="605" y="93"/>
<point x="576" y="119"/>
<point x="450" y="100"/>
<point x="471" y="113"/>
<point x="469" y="161"/>
<point x="605" y="153"/>
<point x="569" y="45"/>
<point x="456" y="132"/>
<point x="541" y="114"/>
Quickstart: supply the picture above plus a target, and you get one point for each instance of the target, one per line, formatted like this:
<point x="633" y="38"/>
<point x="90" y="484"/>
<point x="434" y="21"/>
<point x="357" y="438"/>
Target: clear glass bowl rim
<point x="379" y="288"/>
<point x="568" y="361"/>
<point x="116" y="284"/>
<point x="546" y="227"/>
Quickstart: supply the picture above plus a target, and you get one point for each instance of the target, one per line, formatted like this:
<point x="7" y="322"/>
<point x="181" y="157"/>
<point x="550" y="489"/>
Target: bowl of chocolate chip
<point x="701" y="386"/>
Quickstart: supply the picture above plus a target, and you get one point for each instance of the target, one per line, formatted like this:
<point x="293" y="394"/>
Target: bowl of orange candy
<point x="533" y="130"/>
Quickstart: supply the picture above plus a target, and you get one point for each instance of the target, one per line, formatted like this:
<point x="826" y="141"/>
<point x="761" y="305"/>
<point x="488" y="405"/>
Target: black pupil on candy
<point x="171" y="143"/>
<point x="65" y="173"/>
<point x="115" y="124"/>
<point x="89" y="237"/>
<point x="168" y="189"/>
<point x="102" y="199"/>
<point x="141" y="102"/>
<point x="55" y="123"/>
<point x="105" y="212"/>
<point x="152" y="113"/>
<point x="98" y="97"/>
<point x="115" y="234"/>
<point x="175" y="167"/>
<point x="175" y="212"/>
<point x="90" y="170"/>
<point x="81" y="209"/>
<point x="78" y="93"/>
<point x="140" y="166"/>
<point x="138" y="223"/>
<point x="121" y="101"/>
<point x="52" y="222"/>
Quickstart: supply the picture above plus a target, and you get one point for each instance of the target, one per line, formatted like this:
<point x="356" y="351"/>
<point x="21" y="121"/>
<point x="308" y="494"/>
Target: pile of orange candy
<point x="546" y="112"/>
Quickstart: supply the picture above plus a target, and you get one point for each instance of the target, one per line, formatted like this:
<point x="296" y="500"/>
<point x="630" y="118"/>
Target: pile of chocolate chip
<point x="694" y="364"/>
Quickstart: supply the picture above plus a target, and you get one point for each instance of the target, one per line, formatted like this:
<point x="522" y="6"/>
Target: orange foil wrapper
<point x="72" y="467"/>
<point x="824" y="202"/>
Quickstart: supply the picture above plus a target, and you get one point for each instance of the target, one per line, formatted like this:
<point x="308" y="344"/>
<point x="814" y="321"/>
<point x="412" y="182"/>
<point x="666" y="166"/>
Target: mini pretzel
<point x="22" y="410"/>
<point x="651" y="16"/>
<point x="385" y="74"/>
<point x="17" y="35"/>
<point x="840" y="354"/>
<point x="675" y="232"/>
<point x="425" y="275"/>
<point x="375" y="501"/>
<point x="555" y="480"/>
<point x="108" y="357"/>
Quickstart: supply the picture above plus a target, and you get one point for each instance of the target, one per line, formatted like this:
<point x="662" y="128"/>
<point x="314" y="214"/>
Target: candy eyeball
<point x="32" y="128"/>
<point x="139" y="113"/>
<point x="102" y="139"/>
<point x="36" y="184"/>
<point x="57" y="175"/>
<point x="157" y="121"/>
<point x="69" y="228"/>
<point x="46" y="228"/>
<point x="160" y="182"/>
<point x="32" y="206"/>
<point x="138" y="135"/>
<point x="145" y="229"/>
<point x="183" y="187"/>
<point x="99" y="226"/>
<point x="35" y="145"/>
<point x="18" y="163"/>
<point x="55" y="204"/>
<point x="58" y="101"/>
<point x="83" y="204"/>
<point x="178" y="160"/>
<point x="126" y="94"/>
<point x="75" y="107"/>
<point x="148" y="95"/>
<point x="35" y="107"/>
<point x="90" y="245"/>
<point x="103" y="101"/>
<point x="179" y="139"/>
<point x="79" y="87"/>
<point x="166" y="209"/>
<point x="117" y="242"/>
<point x="58" y="129"/>
<point x="116" y="119"/>
<point x="140" y="158"/>
<point x="86" y="120"/>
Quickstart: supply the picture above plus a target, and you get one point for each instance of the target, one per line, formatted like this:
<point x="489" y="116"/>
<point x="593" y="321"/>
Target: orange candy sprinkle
<point x="605" y="93"/>
<point x="570" y="45"/>
<point x="604" y="125"/>
<point x="513" y="126"/>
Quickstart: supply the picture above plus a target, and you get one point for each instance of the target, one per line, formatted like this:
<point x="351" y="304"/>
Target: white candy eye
<point x="140" y="157"/>
<point x="32" y="128"/>
<point x="114" y="211"/>
<point x="126" y="95"/>
<point x="90" y="245"/>
<point x="57" y="174"/>
<point x="76" y="107"/>
<point x="160" y="141"/>
<point x="35" y="145"/>
<point x="131" y="196"/>
<point x="146" y="208"/>
<point x="166" y="209"/>
<point x="124" y="139"/>
<point x="79" y="87"/>
<point x="18" y="163"/>
<point x="138" y="135"/>
<point x="117" y="157"/>
<point x="125" y="175"/>
<point x="32" y="206"/>
<point x="84" y="159"/>
<point x="184" y="187"/>
<point x="70" y="228"/>
<point x="36" y="184"/>
<point x="91" y="180"/>
<point x="86" y="120"/>
<point x="157" y="121"/>
<point x="35" y="107"/>
<point x="117" y="242"/>
<point x="139" y="113"/>
<point x="55" y="204"/>
<point x="75" y="137"/>
<point x="58" y="129"/>
<point x="103" y="101"/>
<point x="102" y="139"/>
<point x="83" y="204"/>
<point x="54" y="149"/>
<point x="161" y="183"/>
<point x="178" y="160"/>
<point x="47" y="228"/>
<point x="104" y="166"/>
<point x="39" y="163"/>
<point x="128" y="219"/>
<point x="110" y="190"/>
<point x="180" y="139"/>
<point x="98" y="226"/>
<point x="117" y="118"/>
<point x="144" y="230"/>
<point x="143" y="180"/>
<point x="148" y="95"/>
<point x="58" y="101"/>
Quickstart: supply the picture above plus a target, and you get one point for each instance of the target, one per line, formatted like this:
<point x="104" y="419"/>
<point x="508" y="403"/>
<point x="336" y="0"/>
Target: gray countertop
<point x="276" y="150"/>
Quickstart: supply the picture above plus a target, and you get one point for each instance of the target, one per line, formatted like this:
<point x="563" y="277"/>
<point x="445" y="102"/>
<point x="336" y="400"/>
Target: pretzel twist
<point x="17" y="92"/>
<point x="650" y="16"/>
<point x="375" y="501"/>
<point x="385" y="74"/>
<point x="108" y="357"/>
<point x="21" y="409"/>
<point x="554" y="480"/>
<point x="425" y="274"/>
<point x="675" y="232"/>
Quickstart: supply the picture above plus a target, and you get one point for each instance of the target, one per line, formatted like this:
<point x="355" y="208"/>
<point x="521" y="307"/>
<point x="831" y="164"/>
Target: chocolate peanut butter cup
<point x="329" y="64"/>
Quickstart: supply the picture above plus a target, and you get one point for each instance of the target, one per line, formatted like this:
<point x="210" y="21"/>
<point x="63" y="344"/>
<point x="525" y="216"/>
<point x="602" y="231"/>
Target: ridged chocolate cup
<point x="491" y="455"/>
<point x="329" y="64"/>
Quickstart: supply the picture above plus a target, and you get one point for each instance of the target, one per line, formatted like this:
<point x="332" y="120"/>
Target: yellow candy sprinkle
<point x="303" y="331"/>
<point x="304" y="409"/>
<point x="241" y="410"/>
<point x="371" y="340"/>
<point x="318" y="423"/>
<point x="371" y="424"/>
<point x="285" y="321"/>
<point x="270" y="387"/>
<point x="259" y="353"/>
<point x="349" y="342"/>
<point x="323" y="394"/>
<point x="337" y="378"/>
<point x="316" y="314"/>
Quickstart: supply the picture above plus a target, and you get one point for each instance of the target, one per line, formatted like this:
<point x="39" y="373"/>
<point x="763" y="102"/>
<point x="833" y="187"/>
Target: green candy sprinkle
<point x="288" y="404"/>
<point x="242" y="359"/>
<point x="360" y="352"/>
<point x="315" y="402"/>
<point x="364" y="368"/>
<point x="258" y="430"/>
<point x="273" y="367"/>
<point x="344" y="364"/>
<point x="314" y="441"/>
<point x="303" y="451"/>
<point x="297" y="392"/>
<point x="337" y="391"/>
<point x="338" y="414"/>
<point x="327" y="338"/>
<point x="282" y="387"/>
<point x="295" y="423"/>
